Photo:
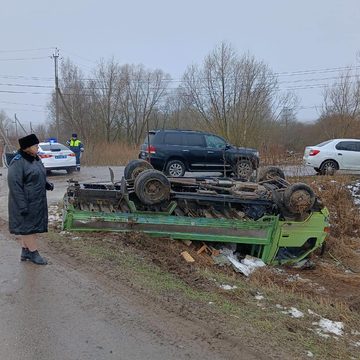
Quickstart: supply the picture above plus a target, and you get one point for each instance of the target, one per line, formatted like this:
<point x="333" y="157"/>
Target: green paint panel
<point x="265" y="236"/>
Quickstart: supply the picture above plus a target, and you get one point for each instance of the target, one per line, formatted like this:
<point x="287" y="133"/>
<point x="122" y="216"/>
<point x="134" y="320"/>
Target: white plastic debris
<point x="309" y="354"/>
<point x="247" y="265"/>
<point x="228" y="287"/>
<point x="327" y="326"/>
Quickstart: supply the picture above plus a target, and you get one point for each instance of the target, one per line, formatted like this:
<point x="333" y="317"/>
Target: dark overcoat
<point x="28" y="213"/>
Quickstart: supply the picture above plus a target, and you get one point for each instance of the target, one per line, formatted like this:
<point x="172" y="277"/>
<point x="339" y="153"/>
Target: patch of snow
<point x="294" y="312"/>
<point x="279" y="306"/>
<point x="211" y="302"/>
<point x="355" y="332"/>
<point x="356" y="343"/>
<point x="259" y="297"/>
<point x="228" y="287"/>
<point x="313" y="313"/>
<point x="329" y="327"/>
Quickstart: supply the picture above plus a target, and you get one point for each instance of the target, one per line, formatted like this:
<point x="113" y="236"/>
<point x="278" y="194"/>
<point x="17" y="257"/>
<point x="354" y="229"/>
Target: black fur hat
<point x="28" y="141"/>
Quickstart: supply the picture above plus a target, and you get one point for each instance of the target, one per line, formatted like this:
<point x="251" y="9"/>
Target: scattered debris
<point x="187" y="242"/>
<point x="202" y="249"/>
<point x="187" y="256"/>
<point x="247" y="265"/>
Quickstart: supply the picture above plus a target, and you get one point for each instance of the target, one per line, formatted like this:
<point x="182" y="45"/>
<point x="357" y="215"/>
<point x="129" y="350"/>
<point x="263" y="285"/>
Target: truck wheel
<point x="270" y="173"/>
<point x="152" y="187"/>
<point x="175" y="168"/>
<point x="135" y="167"/>
<point x="243" y="169"/>
<point x="299" y="198"/>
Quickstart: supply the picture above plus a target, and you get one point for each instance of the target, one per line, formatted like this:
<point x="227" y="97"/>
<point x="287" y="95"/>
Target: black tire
<point x="152" y="187"/>
<point x="136" y="167"/>
<point x="175" y="168"/>
<point x="243" y="169"/>
<point x="329" y="167"/>
<point x="298" y="198"/>
<point x="70" y="170"/>
<point x="270" y="173"/>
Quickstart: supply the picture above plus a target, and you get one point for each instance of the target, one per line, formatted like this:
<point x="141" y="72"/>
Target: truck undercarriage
<point x="271" y="219"/>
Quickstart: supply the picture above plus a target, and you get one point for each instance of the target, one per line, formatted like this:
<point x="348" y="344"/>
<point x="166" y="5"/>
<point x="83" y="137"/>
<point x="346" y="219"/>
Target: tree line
<point x="235" y="96"/>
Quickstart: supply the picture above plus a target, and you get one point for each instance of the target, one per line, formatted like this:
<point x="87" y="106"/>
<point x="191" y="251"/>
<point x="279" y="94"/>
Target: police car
<point x="56" y="156"/>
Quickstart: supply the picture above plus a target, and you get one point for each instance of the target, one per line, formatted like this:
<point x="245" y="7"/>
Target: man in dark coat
<point x="28" y="213"/>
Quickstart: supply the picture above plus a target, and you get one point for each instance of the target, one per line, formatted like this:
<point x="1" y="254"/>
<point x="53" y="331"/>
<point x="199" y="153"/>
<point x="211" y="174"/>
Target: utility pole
<point x="55" y="56"/>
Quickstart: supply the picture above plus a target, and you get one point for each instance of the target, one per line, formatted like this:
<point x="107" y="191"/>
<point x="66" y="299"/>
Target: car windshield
<point x="324" y="143"/>
<point x="53" y="147"/>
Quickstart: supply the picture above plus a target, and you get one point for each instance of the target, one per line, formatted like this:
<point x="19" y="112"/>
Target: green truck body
<point x="273" y="240"/>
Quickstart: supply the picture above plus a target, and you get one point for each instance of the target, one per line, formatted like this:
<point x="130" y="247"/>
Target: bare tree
<point x="107" y="89"/>
<point x="144" y="92"/>
<point x="341" y="106"/>
<point x="234" y="95"/>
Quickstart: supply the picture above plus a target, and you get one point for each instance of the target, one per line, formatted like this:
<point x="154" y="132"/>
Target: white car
<point x="332" y="155"/>
<point x="56" y="156"/>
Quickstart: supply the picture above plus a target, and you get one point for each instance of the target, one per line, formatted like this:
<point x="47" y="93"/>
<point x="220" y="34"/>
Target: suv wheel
<point x="175" y="168"/>
<point x="243" y="169"/>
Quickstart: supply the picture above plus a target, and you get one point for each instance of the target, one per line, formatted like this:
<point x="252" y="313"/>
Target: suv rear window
<point x="173" y="138"/>
<point x="192" y="139"/>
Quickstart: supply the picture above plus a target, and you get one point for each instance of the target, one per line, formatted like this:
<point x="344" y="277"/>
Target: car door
<point x="215" y="147"/>
<point x="348" y="154"/>
<point x="195" y="150"/>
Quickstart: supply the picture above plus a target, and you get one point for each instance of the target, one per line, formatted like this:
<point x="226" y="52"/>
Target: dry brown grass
<point x="103" y="154"/>
<point x="343" y="244"/>
<point x="277" y="155"/>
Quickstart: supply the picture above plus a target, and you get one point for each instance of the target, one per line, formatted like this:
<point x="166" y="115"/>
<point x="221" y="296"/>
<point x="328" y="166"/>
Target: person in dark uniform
<point x="28" y="212"/>
<point x="77" y="147"/>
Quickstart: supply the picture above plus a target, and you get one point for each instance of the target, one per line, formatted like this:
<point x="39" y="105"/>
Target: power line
<point x="16" y="103"/>
<point x="22" y="59"/>
<point x="25" y="50"/>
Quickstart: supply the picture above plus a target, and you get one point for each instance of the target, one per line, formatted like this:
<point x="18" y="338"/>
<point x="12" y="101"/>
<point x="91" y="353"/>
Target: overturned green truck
<point x="269" y="219"/>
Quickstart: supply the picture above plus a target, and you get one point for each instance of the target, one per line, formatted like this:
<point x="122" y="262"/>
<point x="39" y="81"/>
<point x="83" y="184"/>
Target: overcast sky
<point x="315" y="37"/>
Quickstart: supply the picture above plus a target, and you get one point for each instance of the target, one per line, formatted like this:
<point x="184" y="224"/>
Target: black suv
<point x="177" y="151"/>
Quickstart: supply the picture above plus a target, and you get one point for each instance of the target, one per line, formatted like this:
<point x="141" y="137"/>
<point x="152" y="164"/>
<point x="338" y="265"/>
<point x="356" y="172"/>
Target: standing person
<point x="28" y="213"/>
<point x="77" y="147"/>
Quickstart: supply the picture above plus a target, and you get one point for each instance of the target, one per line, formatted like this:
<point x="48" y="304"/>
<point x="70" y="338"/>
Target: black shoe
<point x="24" y="254"/>
<point x="36" y="258"/>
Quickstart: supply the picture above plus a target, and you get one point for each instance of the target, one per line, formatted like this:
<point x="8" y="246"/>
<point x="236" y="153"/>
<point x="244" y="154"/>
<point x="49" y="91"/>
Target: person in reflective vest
<point x="77" y="147"/>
